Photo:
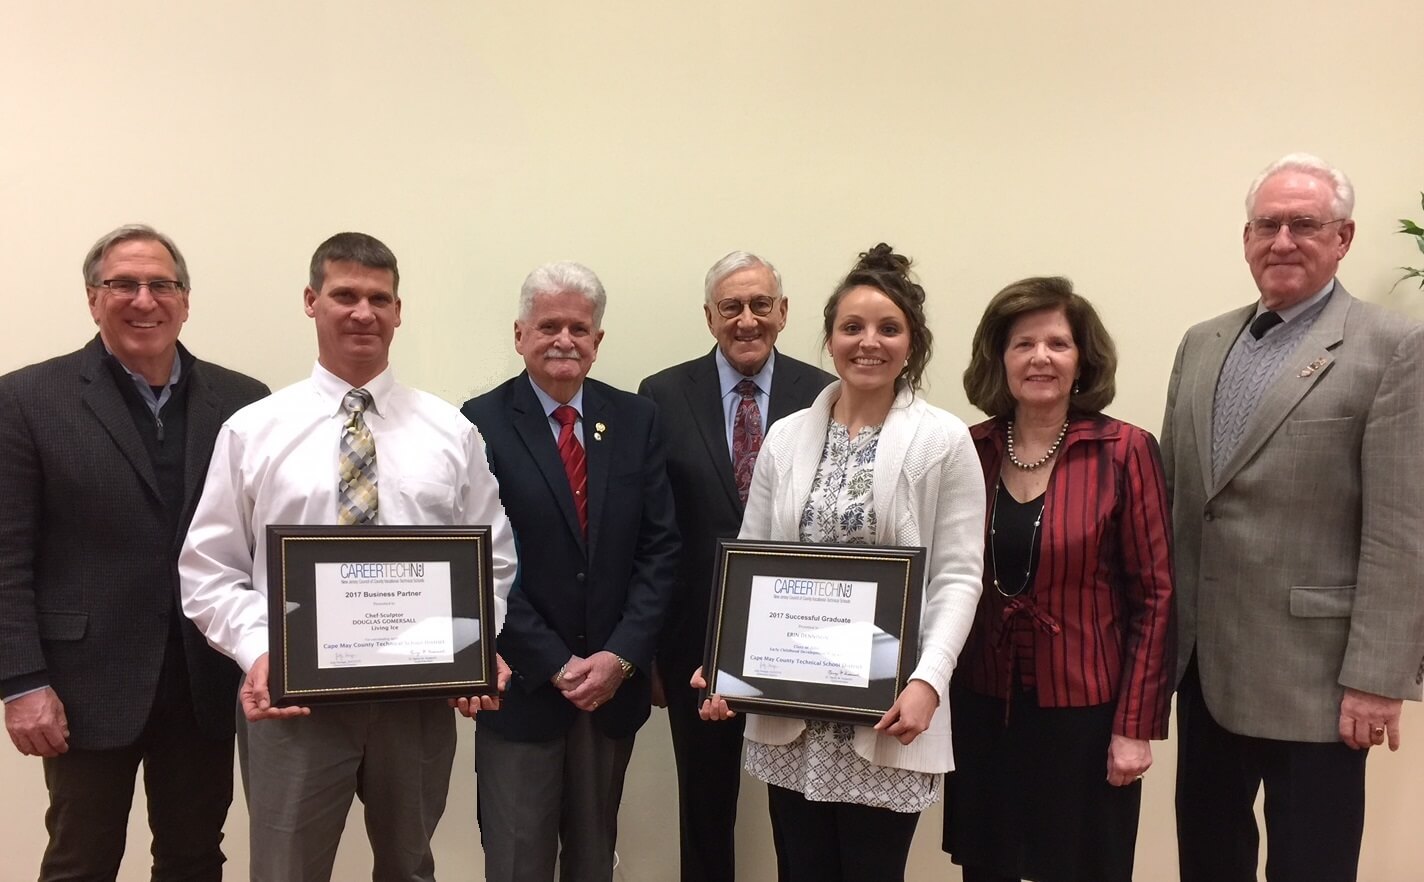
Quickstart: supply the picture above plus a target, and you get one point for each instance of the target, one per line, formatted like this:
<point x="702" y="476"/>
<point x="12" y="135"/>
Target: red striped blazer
<point x="1101" y="601"/>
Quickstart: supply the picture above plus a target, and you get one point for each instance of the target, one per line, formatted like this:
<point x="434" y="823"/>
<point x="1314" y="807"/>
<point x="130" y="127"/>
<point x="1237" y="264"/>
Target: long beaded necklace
<point x="1042" y="460"/>
<point x="994" y="542"/>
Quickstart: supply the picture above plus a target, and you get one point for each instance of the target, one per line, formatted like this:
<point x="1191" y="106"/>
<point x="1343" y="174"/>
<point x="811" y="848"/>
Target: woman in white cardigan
<point x="869" y="463"/>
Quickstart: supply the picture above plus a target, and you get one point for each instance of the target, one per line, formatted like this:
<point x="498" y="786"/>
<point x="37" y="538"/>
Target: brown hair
<point x="358" y="248"/>
<point x="889" y="273"/>
<point x="984" y="380"/>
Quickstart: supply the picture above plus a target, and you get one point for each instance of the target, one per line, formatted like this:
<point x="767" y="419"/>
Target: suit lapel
<point x="204" y="420"/>
<point x="103" y="398"/>
<point x="1218" y="345"/>
<point x="532" y="424"/>
<point x="786" y="390"/>
<point x="704" y="400"/>
<point x="598" y="428"/>
<point x="1298" y="376"/>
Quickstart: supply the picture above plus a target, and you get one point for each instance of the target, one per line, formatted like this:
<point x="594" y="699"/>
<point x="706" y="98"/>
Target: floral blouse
<point x="821" y="763"/>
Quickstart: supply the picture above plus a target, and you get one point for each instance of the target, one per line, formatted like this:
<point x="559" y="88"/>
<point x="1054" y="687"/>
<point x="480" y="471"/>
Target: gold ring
<point x="1379" y="730"/>
<point x="595" y="704"/>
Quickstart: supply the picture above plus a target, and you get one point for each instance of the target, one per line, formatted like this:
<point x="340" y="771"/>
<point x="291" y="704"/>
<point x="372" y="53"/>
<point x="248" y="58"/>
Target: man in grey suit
<point x="1291" y="447"/>
<point x="102" y="456"/>
<point x="710" y="448"/>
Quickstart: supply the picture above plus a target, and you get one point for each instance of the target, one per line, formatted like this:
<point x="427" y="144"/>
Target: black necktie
<point x="1264" y="322"/>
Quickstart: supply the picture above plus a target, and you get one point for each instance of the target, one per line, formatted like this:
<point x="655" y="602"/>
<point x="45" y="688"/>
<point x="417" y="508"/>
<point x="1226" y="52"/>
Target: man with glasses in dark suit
<point x="715" y="410"/>
<point x="102" y="457"/>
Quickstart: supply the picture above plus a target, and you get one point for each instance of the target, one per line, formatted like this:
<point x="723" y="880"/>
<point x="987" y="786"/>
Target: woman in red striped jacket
<point x="1066" y="675"/>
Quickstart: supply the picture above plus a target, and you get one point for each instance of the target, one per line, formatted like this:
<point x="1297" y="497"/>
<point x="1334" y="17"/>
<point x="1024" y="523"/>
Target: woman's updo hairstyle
<point x="889" y="273"/>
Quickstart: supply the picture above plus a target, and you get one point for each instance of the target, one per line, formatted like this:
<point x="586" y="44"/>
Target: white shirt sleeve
<point x="215" y="566"/>
<point x="479" y="504"/>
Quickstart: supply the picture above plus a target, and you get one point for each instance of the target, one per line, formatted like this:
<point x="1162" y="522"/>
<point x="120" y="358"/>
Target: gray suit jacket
<point x="88" y="559"/>
<point x="1299" y="566"/>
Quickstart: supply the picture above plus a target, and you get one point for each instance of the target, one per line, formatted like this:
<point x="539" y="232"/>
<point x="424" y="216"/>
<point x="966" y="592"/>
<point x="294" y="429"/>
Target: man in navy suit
<point x="102" y="457"/>
<point x="582" y="476"/>
<point x="698" y="403"/>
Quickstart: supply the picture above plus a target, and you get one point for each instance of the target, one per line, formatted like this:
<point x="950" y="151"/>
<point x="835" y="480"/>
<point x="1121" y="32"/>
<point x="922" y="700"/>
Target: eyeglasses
<point x="1300" y="227"/>
<point x="732" y="307"/>
<point x="130" y="287"/>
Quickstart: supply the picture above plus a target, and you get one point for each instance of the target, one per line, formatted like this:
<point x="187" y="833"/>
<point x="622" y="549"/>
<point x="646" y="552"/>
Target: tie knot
<point x="746" y="389"/>
<point x="565" y="415"/>
<point x="356" y="401"/>
<point x="1264" y="322"/>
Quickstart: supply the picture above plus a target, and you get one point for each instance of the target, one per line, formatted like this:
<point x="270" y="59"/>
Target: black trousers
<point x="186" y="776"/>
<point x="709" y="777"/>
<point x="1314" y="807"/>
<point x="839" y="841"/>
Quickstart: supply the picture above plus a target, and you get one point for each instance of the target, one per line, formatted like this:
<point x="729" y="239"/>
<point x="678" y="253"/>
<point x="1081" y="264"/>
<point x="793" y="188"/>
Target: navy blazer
<point x="88" y="554"/>
<point x="689" y="399"/>
<point x="577" y="597"/>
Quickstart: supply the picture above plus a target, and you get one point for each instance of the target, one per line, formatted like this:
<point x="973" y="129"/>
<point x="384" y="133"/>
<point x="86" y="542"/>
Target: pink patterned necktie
<point x="575" y="463"/>
<point x="746" y="437"/>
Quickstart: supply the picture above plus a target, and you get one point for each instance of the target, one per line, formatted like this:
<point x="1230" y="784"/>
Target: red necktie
<point x="746" y="437"/>
<point x="575" y="464"/>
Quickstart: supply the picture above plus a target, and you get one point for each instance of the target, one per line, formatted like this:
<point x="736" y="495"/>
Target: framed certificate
<point x="371" y="613"/>
<point x="814" y="631"/>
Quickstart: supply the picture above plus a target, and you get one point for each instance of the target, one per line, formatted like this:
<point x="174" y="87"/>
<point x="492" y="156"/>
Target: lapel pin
<point x="598" y="430"/>
<point x="1314" y="366"/>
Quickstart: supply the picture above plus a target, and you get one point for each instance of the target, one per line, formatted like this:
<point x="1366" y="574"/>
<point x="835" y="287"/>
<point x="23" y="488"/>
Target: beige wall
<point x="1106" y="140"/>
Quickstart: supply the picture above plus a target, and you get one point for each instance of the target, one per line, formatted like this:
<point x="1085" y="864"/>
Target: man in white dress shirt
<point x="278" y="463"/>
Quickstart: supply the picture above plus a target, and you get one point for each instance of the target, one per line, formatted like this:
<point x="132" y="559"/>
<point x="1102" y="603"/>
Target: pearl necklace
<point x="1042" y="460"/>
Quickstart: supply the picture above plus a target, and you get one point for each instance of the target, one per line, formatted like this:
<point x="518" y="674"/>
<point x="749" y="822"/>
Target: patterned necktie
<point x="746" y="437"/>
<point x="356" y="501"/>
<point x="575" y="463"/>
<point x="1264" y="322"/>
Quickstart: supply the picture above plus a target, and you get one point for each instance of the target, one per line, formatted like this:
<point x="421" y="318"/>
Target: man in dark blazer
<point x="698" y="403"/>
<point x="582" y="478"/>
<point x="102" y="456"/>
<point x="1290" y="447"/>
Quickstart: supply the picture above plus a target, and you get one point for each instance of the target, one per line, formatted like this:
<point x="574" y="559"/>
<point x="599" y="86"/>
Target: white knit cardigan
<point x="928" y="491"/>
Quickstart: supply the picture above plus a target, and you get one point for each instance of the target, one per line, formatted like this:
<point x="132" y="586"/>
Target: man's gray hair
<point x="560" y="277"/>
<point x="131" y="233"/>
<point x="733" y="263"/>
<point x="1342" y="202"/>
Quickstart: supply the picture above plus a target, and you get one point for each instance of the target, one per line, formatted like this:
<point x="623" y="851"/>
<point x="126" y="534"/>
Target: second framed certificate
<point x="815" y="631"/>
<point x="370" y="613"/>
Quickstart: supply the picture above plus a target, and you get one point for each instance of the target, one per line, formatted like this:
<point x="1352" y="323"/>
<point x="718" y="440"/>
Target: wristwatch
<point x="626" y="665"/>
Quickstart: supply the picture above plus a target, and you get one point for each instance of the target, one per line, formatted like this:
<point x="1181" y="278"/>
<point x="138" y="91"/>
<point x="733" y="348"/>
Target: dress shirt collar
<point x="1292" y="312"/>
<point x="729" y="376"/>
<point x="548" y="403"/>
<point x="332" y="388"/>
<point x="154" y="400"/>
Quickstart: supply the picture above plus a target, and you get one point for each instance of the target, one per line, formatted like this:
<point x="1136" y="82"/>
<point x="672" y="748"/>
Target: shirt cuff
<point x="18" y="687"/>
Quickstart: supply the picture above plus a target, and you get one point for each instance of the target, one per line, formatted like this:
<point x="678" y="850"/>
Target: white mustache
<point x="555" y="353"/>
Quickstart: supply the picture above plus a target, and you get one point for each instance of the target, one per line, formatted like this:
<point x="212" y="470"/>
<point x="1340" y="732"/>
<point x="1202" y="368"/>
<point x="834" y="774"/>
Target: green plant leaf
<point x="1410" y="227"/>
<point x="1409" y="273"/>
